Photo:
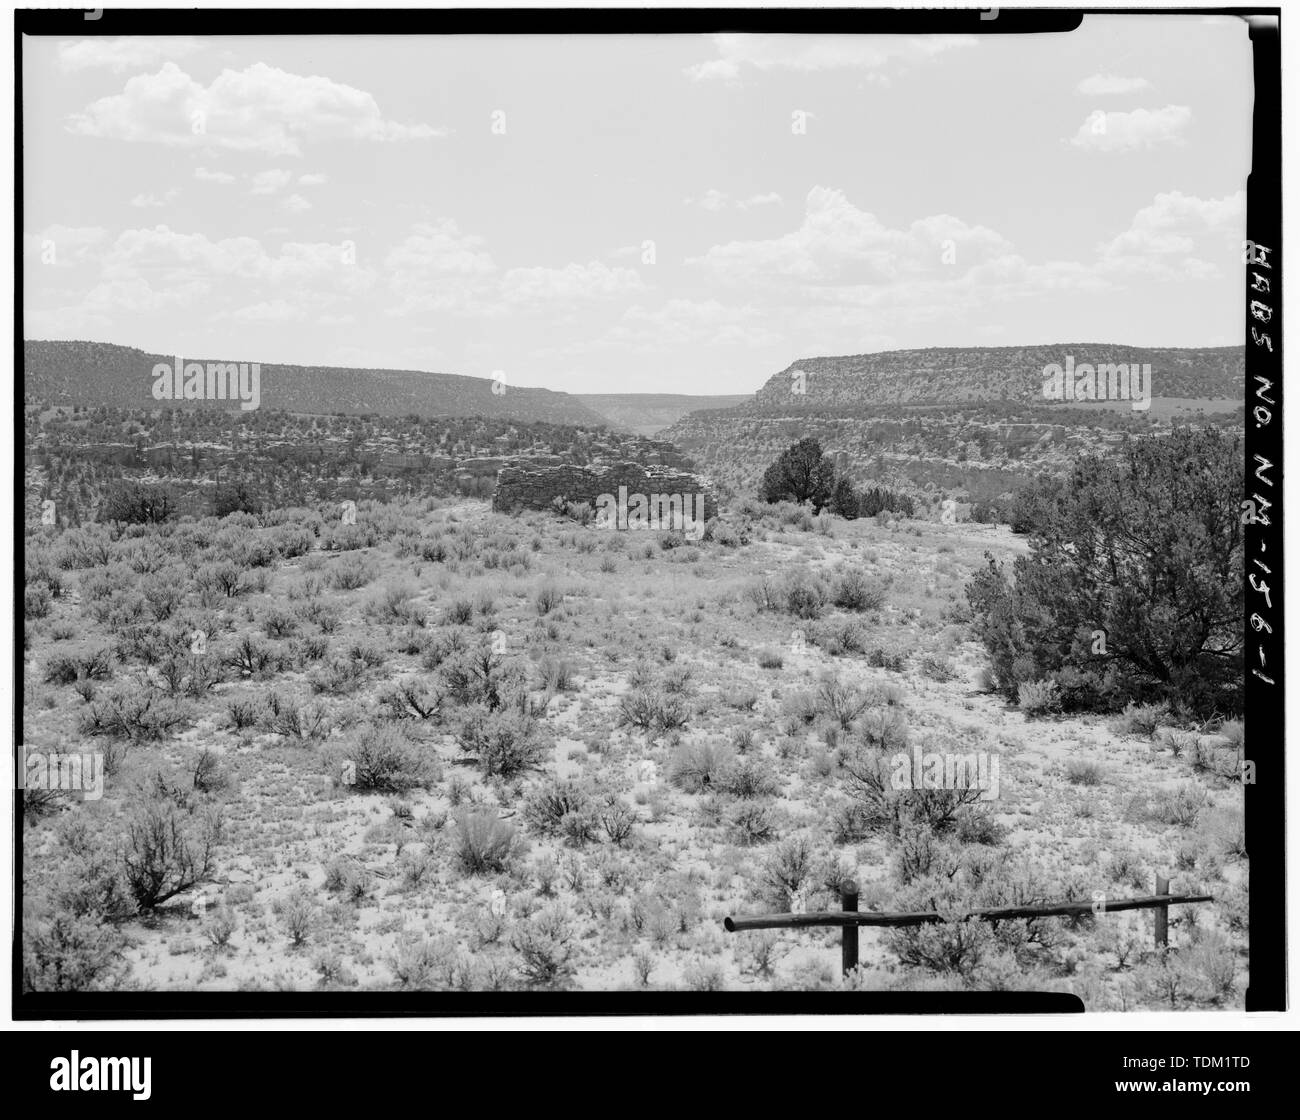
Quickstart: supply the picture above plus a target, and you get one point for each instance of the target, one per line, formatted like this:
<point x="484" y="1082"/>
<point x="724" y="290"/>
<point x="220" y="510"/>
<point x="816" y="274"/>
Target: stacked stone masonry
<point x="537" y="488"/>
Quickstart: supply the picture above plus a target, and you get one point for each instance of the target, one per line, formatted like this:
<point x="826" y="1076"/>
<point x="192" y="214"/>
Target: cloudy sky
<point x="636" y="214"/>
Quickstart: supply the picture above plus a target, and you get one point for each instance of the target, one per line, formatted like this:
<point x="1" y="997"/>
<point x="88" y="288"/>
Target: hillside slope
<point x="967" y="421"/>
<point x="960" y="375"/>
<point x="98" y="373"/>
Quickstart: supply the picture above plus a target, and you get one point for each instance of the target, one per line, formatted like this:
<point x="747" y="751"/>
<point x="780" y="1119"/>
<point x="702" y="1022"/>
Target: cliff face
<point x="537" y="488"/>
<point x="957" y="375"/>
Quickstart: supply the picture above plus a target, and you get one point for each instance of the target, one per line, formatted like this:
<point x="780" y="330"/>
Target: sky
<point x="636" y="214"/>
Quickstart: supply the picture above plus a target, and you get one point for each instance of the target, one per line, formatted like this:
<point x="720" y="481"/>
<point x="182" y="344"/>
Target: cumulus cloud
<point x="736" y="52"/>
<point x="713" y="200"/>
<point x="270" y="181"/>
<point x="123" y="53"/>
<point x="1101" y="85"/>
<point x="315" y="179"/>
<point x="838" y="243"/>
<point x="437" y="267"/>
<point x="1125" y="132"/>
<point x="295" y="204"/>
<point x="259" y="109"/>
<point x="206" y="176"/>
<point x="1180" y="235"/>
<point x="147" y="199"/>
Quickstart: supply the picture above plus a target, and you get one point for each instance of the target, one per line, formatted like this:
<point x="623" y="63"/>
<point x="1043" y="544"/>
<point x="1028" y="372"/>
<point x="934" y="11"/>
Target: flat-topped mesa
<point x="525" y="487"/>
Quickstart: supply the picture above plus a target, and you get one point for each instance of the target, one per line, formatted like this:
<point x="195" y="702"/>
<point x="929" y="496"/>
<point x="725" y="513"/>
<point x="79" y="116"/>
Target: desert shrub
<point x="279" y="624"/>
<point x="884" y="729"/>
<point x="242" y="714"/>
<point x="350" y="879"/>
<point x="548" y="597"/>
<point x="389" y="762"/>
<point x="206" y="774"/>
<point x="892" y="660"/>
<point x="869" y="781"/>
<point x="844" y="703"/>
<point x="480" y="676"/>
<point x="1130" y="548"/>
<point x="1211" y="963"/>
<point x="790" y="866"/>
<point x="165" y="591"/>
<point x="556" y="673"/>
<point x="220" y="926"/>
<point x="704" y="976"/>
<point x="853" y="591"/>
<point x="293" y="721"/>
<point x="421" y="963"/>
<point x="309" y="649"/>
<point x="546" y="807"/>
<point x="299" y="914"/>
<point x="802" y="594"/>
<point x="167" y="851"/>
<point x="770" y="659"/>
<point x="695" y="767"/>
<point x="137" y="716"/>
<point x="62" y="670"/>
<point x="504" y="743"/>
<point x="485" y="844"/>
<point x="545" y="946"/>
<point x="252" y="657"/>
<point x="223" y="578"/>
<point x="938" y="668"/>
<point x="1235" y="732"/>
<point x="1177" y="740"/>
<point x="395" y="606"/>
<point x="350" y="573"/>
<point x="617" y="819"/>
<point x="841" y="637"/>
<point x="460" y="612"/>
<point x="747" y="778"/>
<point x="1037" y="698"/>
<point x="188" y="675"/>
<point x="36" y="601"/>
<point x="919" y="853"/>
<point x="1082" y="773"/>
<point x="338" y="677"/>
<point x="951" y="946"/>
<point x="412" y="699"/>
<point x="1181" y="807"/>
<point x="1141" y="719"/>
<point x="651" y="711"/>
<point x="66" y="952"/>
<point x="751" y="823"/>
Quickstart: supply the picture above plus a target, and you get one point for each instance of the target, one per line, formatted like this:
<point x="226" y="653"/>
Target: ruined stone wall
<point x="537" y="488"/>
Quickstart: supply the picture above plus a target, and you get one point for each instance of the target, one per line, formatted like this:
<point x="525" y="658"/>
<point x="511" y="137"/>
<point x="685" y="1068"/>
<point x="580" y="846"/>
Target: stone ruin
<point x="529" y="487"/>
